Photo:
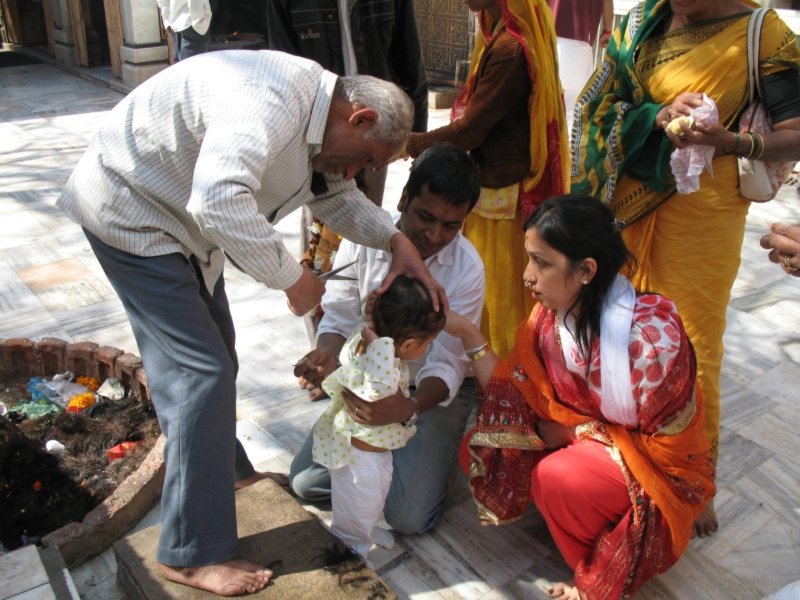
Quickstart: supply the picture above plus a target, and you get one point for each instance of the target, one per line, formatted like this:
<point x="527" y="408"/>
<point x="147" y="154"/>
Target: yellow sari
<point x="688" y="248"/>
<point x="495" y="225"/>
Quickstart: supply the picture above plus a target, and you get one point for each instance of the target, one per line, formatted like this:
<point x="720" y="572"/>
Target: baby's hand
<point x="368" y="336"/>
<point x="370" y="303"/>
<point x="455" y="324"/>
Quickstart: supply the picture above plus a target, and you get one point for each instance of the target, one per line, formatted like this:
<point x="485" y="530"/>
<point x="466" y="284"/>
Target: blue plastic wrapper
<point x="37" y="396"/>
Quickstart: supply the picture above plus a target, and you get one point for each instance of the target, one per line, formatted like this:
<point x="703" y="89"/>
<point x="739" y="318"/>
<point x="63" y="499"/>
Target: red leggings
<point x="579" y="490"/>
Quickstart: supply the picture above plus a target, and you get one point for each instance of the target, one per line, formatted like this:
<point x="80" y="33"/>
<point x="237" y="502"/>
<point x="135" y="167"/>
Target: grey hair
<point x="395" y="109"/>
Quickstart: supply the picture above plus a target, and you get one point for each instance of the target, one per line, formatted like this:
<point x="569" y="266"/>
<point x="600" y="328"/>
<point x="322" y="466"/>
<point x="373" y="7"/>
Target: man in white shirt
<point x="197" y="164"/>
<point x="443" y="187"/>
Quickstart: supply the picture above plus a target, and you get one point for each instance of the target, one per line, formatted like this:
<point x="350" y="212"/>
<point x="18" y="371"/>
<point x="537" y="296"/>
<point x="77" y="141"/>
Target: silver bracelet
<point x="414" y="415"/>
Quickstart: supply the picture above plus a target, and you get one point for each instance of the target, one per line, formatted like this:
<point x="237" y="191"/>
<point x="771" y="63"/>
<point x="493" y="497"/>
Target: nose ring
<point x="529" y="285"/>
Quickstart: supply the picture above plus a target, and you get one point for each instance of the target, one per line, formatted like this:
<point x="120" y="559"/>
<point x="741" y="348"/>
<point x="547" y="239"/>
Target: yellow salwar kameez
<point x="687" y="246"/>
<point x="518" y="51"/>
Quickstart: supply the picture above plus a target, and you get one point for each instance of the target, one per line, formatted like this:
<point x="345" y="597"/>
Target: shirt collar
<point x="319" y="112"/>
<point x="443" y="256"/>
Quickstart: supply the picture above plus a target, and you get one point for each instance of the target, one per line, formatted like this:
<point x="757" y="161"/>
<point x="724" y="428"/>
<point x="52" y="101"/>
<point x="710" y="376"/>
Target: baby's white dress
<point x="360" y="480"/>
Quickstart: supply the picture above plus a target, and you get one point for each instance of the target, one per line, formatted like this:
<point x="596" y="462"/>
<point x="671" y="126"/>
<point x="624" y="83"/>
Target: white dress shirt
<point x="457" y="267"/>
<point x="207" y="155"/>
<point x="182" y="14"/>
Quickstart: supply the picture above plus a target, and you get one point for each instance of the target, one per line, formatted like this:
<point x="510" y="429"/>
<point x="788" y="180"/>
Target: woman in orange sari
<point x="595" y="416"/>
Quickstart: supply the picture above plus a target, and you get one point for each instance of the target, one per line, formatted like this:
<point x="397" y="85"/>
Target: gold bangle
<point x="753" y="143"/>
<point x="480" y="353"/>
<point x="471" y="351"/>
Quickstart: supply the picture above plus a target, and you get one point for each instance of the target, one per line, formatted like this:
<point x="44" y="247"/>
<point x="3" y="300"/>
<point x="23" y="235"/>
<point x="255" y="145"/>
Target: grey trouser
<point x="186" y="338"/>
<point x="188" y="43"/>
<point x="421" y="469"/>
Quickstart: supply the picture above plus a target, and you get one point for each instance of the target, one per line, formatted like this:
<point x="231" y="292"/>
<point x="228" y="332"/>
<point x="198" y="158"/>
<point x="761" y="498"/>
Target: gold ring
<point x="787" y="265"/>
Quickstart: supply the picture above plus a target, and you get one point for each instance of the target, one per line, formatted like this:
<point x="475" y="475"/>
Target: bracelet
<point x="736" y="145"/>
<point x="476" y="349"/>
<point x="606" y="32"/>
<point x="753" y="143"/>
<point x="761" y="150"/>
<point x="414" y="415"/>
<point x="480" y="353"/>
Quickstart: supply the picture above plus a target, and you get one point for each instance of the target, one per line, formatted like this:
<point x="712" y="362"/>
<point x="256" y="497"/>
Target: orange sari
<point x="665" y="461"/>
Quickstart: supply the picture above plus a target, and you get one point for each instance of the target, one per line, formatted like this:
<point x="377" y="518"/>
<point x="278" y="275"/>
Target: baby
<point x="373" y="366"/>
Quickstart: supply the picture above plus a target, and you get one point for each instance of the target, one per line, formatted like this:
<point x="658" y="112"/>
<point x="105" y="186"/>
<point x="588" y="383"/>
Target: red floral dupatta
<point x="666" y="463"/>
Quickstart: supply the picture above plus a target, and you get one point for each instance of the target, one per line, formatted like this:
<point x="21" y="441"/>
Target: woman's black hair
<point x="405" y="311"/>
<point x="582" y="227"/>
<point x="449" y="172"/>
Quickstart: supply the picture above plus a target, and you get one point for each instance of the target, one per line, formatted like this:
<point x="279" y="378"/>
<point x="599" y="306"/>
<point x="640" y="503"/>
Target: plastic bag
<point x="688" y="163"/>
<point x="112" y="389"/>
<point x="61" y="392"/>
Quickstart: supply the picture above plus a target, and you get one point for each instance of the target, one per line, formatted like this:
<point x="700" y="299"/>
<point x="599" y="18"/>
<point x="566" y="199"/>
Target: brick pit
<point x="78" y="542"/>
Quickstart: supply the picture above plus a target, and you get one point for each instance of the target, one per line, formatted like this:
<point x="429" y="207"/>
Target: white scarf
<point x="616" y="393"/>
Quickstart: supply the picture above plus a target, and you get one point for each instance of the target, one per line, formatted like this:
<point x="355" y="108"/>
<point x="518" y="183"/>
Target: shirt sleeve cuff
<point x="449" y="376"/>
<point x="288" y="274"/>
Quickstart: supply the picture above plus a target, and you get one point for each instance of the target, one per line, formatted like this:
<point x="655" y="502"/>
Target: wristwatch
<point x="414" y="415"/>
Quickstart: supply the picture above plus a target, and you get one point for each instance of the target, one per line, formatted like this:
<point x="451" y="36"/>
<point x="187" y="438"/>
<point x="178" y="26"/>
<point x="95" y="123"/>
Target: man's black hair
<point x="449" y="172"/>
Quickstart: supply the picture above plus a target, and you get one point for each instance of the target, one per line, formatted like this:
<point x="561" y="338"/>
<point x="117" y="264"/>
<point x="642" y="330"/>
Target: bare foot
<point x="317" y="394"/>
<point x="565" y="590"/>
<point x="279" y="478"/>
<point x="230" y="578"/>
<point x="706" y="524"/>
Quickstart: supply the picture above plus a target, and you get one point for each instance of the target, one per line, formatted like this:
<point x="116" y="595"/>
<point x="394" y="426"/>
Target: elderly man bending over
<point x="196" y="164"/>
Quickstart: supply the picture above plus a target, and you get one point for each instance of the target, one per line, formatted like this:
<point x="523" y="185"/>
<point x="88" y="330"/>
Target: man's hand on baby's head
<point x="368" y="335"/>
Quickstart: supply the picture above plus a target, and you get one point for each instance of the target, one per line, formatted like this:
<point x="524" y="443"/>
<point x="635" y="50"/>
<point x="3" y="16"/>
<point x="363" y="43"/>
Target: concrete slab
<point x="274" y="530"/>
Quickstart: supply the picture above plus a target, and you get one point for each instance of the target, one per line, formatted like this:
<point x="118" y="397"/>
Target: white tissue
<point x="688" y="163"/>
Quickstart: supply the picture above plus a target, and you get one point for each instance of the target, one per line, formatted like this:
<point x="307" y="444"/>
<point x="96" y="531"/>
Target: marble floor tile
<point x="496" y="554"/>
<point x="768" y="559"/>
<point x="20" y="229"/>
<point x="784" y="347"/>
<point x="27" y="322"/>
<point x="777" y="431"/>
<point x="15" y="296"/>
<point x="738" y="456"/>
<point x="55" y="273"/>
<point x="407" y="585"/>
<point x="285" y="335"/>
<point x="85" y="320"/>
<point x="31" y="255"/>
<point x="447" y="565"/>
<point x="699" y="578"/>
<point x="783" y="313"/>
<point x="533" y="583"/>
<point x="738" y="521"/>
<point x="74" y="294"/>
<point x="20" y="571"/>
<point x="741" y="406"/>
<point x="780" y="384"/>
<point x="773" y="487"/>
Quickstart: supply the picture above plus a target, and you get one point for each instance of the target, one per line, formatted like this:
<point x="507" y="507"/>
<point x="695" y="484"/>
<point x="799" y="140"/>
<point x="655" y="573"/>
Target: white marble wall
<point x="140" y="22"/>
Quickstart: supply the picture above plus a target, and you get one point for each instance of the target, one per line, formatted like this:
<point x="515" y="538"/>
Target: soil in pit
<point x="41" y="491"/>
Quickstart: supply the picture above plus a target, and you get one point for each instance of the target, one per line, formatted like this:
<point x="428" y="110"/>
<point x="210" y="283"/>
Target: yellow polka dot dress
<point x="371" y="376"/>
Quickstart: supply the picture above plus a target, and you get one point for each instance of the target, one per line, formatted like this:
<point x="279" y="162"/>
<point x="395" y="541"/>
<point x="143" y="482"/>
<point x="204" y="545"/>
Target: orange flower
<point x="79" y="402"/>
<point x="89" y="382"/>
<point x="37" y="486"/>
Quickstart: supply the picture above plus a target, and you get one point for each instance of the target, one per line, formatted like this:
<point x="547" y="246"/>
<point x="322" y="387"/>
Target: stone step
<point x="32" y="573"/>
<point x="274" y="530"/>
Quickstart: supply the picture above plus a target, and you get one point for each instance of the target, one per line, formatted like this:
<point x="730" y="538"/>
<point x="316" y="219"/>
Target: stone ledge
<point x="274" y="530"/>
<point x="78" y="542"/>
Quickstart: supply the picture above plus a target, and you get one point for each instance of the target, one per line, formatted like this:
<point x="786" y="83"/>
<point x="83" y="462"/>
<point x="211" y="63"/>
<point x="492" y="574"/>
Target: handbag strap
<point x="753" y="51"/>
